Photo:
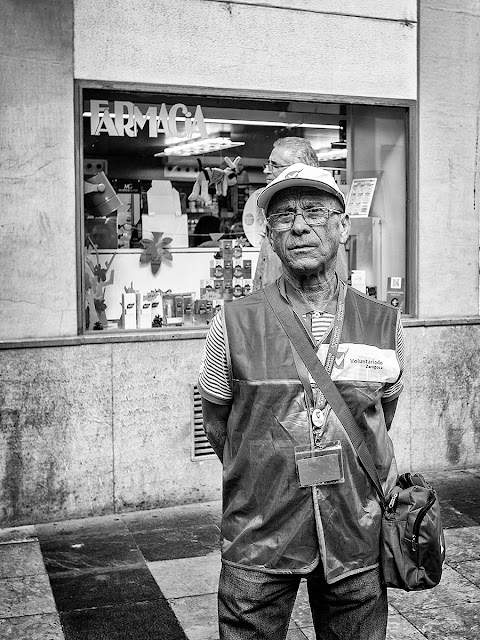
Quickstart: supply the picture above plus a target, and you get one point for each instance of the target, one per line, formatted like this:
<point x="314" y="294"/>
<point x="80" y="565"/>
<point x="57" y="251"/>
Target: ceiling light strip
<point x="253" y="123"/>
<point x="199" y="147"/>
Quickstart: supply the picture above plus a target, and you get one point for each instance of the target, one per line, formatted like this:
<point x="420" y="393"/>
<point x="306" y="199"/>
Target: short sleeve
<point x="214" y="382"/>
<point x="393" y="391"/>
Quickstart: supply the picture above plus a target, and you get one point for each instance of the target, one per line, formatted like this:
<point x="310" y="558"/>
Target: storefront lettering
<point x="127" y="118"/>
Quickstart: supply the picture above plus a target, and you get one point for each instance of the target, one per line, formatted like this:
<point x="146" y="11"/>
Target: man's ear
<point x="344" y="228"/>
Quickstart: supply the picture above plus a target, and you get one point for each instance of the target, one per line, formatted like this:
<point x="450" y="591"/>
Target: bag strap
<point x="307" y="353"/>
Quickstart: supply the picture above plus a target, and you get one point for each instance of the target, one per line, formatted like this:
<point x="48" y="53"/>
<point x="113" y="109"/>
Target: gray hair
<point x="300" y="148"/>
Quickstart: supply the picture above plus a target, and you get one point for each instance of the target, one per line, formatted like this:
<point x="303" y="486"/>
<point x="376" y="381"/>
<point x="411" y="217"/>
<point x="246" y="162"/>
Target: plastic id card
<point x="320" y="465"/>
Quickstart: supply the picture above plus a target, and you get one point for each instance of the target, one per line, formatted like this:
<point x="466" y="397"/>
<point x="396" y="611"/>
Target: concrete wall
<point x="327" y="47"/>
<point x="94" y="429"/>
<point x="37" y="176"/>
<point x="449" y="176"/>
<point x="105" y="428"/>
<point x="437" y="424"/>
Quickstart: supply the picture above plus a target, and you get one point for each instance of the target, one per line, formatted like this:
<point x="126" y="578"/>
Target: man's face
<point x="306" y="249"/>
<point x="280" y="158"/>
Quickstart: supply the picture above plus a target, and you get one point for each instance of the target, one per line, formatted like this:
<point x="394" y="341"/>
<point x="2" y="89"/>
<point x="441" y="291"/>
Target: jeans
<point x="257" y="606"/>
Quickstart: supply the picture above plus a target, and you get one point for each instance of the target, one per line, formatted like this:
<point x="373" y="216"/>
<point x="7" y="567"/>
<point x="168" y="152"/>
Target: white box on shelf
<point x="129" y="310"/>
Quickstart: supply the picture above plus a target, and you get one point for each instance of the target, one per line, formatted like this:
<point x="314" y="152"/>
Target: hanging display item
<point x="220" y="178"/>
<point x="155" y="250"/>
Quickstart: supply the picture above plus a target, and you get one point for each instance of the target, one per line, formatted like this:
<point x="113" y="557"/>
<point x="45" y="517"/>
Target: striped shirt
<point x="214" y="381"/>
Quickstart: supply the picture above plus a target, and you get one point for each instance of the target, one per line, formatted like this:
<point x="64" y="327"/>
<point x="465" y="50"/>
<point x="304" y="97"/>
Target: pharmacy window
<point x="170" y="230"/>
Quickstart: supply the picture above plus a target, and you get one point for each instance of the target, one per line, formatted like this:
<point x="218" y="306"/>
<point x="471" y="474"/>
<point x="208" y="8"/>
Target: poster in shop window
<point x="360" y="196"/>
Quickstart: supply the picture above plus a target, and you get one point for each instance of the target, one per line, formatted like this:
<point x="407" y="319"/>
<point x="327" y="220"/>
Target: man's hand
<point x="215" y="418"/>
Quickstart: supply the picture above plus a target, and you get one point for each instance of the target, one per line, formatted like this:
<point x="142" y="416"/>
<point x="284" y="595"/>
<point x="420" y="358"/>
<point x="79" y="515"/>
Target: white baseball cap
<point x="300" y="175"/>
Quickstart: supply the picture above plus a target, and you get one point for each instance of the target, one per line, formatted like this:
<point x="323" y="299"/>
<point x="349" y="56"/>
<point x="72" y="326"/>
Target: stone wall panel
<point x="153" y="432"/>
<point x="55" y="433"/>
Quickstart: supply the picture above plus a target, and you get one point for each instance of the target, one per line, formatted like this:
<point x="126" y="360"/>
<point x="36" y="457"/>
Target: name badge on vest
<point x="320" y="465"/>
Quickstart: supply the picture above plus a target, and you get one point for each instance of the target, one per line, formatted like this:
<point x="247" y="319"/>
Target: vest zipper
<point x="392" y="503"/>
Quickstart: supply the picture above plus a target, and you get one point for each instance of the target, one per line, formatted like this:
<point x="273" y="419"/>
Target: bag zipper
<point x="418" y="522"/>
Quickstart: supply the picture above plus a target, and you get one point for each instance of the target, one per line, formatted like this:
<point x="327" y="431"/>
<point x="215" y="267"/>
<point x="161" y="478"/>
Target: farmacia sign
<point x="127" y="118"/>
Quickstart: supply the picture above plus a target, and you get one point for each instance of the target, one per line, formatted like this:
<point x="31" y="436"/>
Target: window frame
<point x="411" y="137"/>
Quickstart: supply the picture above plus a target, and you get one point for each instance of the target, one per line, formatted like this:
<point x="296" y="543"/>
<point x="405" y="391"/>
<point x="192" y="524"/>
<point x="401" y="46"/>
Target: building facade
<point x="98" y="421"/>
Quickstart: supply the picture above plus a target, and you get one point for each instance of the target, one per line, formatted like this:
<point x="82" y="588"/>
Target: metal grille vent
<point x="201" y="449"/>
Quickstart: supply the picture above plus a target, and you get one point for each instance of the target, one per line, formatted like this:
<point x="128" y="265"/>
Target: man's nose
<point x="299" y="224"/>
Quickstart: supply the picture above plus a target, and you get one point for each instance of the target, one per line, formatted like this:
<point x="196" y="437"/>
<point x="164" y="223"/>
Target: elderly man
<point x="285" y="152"/>
<point x="263" y="414"/>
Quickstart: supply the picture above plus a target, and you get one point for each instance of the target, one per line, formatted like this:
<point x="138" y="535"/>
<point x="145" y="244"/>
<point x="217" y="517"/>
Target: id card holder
<point x="320" y="465"/>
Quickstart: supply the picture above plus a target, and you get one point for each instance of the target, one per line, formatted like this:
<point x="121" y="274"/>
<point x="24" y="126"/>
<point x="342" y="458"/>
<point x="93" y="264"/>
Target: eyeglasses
<point x="271" y="167"/>
<point x="317" y="217"/>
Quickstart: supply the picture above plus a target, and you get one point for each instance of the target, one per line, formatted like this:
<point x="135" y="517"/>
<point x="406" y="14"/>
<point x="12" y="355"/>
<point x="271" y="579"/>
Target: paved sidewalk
<point x="153" y="575"/>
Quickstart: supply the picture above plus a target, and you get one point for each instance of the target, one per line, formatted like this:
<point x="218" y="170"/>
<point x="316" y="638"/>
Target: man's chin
<point x="304" y="266"/>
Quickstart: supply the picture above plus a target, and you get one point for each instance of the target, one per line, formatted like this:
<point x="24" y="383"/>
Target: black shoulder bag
<point x="412" y="542"/>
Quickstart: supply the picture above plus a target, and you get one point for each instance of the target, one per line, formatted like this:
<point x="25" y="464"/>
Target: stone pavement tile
<point x="176" y="542"/>
<point x="295" y="634"/>
<point x="448" y="481"/>
<point x="453" y="590"/>
<point x="308" y="632"/>
<point x="460" y="488"/>
<point x="27" y="595"/>
<point x="474" y="471"/>
<point x="87" y="553"/>
<point x="457" y="622"/>
<point x="462" y="544"/>
<point x="103" y="587"/>
<point x="18" y="534"/>
<point x="21" y="559"/>
<point x="44" y="626"/>
<point x="453" y="518"/>
<point x="470" y="509"/>
<point x="172" y="517"/>
<point x="98" y="527"/>
<point x="187" y="576"/>
<point x="399" y="628"/>
<point x="198" y="616"/>
<point x="301" y="613"/>
<point x="470" y="570"/>
<point x="135" y="621"/>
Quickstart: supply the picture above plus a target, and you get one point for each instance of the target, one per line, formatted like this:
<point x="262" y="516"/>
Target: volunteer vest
<point x="270" y="523"/>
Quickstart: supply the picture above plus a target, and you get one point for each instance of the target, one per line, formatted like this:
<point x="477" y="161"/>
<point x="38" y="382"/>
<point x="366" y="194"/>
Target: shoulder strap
<point x="307" y="353"/>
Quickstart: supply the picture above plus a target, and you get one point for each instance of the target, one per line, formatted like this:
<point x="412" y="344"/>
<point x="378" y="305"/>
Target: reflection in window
<point x="188" y="169"/>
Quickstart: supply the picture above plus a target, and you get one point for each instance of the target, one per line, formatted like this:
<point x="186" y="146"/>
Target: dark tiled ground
<point x="153" y="575"/>
<point x="185" y="542"/>
<point x="100" y="579"/>
<point x="150" y="620"/>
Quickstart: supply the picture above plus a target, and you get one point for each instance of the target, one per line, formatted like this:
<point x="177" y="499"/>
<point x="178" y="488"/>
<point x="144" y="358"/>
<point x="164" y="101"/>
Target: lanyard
<point x="316" y="402"/>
